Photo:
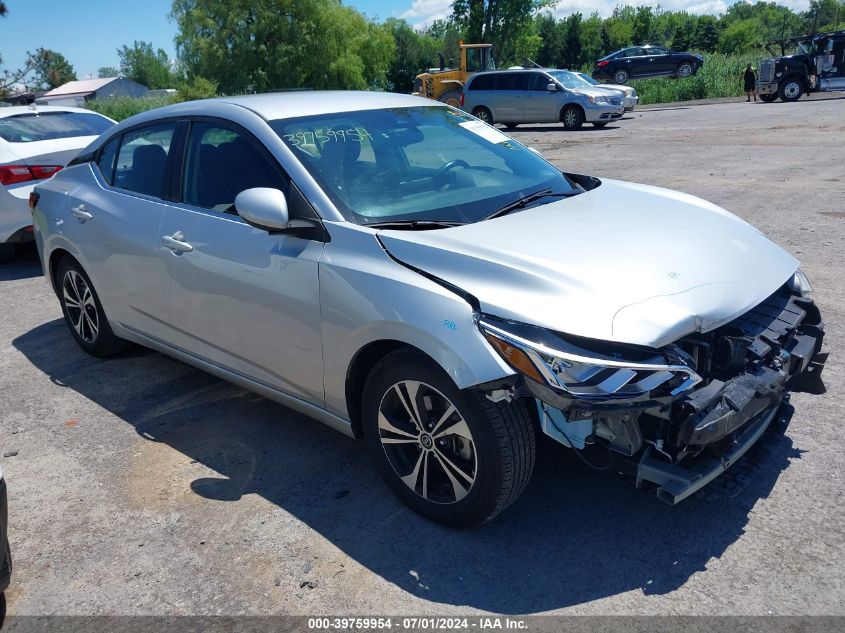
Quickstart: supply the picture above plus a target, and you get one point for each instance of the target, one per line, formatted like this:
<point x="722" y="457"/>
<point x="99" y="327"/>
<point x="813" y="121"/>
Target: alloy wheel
<point x="684" y="70"/>
<point x="80" y="305"/>
<point x="570" y="118"/>
<point x="427" y="442"/>
<point x="483" y="115"/>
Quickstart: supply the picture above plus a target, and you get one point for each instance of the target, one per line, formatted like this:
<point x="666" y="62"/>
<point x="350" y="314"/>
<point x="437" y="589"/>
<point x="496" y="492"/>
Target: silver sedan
<point x="407" y="274"/>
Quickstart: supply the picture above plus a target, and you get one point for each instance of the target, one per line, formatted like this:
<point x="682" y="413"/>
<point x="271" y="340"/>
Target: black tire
<point x="484" y="114"/>
<point x="790" y="89"/>
<point x="453" y="98"/>
<point x="600" y="123"/>
<point x="88" y="324"/>
<point x="500" y="450"/>
<point x="511" y="126"/>
<point x="768" y="98"/>
<point x="7" y="252"/>
<point x="620" y="76"/>
<point x="572" y="117"/>
<point x="685" y="69"/>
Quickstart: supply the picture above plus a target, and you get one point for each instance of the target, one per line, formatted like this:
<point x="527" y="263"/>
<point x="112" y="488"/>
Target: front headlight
<point x="598" y="99"/>
<point x="586" y="368"/>
<point x="799" y="283"/>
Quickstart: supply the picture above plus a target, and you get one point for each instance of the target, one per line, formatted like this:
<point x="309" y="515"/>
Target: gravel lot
<point x="142" y="486"/>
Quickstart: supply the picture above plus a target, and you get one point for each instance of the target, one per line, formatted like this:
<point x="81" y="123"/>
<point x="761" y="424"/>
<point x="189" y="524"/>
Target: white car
<point x="35" y="143"/>
<point x="629" y="93"/>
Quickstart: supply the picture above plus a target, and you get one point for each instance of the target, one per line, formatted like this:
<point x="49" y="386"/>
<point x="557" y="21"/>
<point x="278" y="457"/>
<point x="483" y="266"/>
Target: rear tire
<point x="466" y="473"/>
<point x="790" y="90"/>
<point x="572" y="117"/>
<point x="84" y="313"/>
<point x="452" y="98"/>
<point x="7" y="252"/>
<point x="620" y="77"/>
<point x="484" y="114"/>
<point x="768" y="98"/>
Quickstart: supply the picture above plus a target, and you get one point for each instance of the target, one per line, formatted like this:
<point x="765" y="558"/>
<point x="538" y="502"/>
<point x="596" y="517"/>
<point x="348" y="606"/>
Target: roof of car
<point x="16" y="110"/>
<point x="291" y="104"/>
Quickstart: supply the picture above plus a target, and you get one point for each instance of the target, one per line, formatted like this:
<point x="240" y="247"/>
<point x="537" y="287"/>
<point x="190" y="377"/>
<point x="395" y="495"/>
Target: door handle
<point x="176" y="243"/>
<point x="80" y="213"/>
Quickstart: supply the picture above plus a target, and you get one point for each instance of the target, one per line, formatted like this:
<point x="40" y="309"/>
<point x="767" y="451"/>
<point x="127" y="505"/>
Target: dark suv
<point x="645" y="61"/>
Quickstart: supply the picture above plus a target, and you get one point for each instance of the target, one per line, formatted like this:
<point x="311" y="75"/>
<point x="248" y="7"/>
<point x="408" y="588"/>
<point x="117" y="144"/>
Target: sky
<point x="89" y="32"/>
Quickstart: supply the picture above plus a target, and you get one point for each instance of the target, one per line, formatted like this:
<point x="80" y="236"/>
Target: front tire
<point x="572" y="117"/>
<point x="483" y="114"/>
<point x="84" y="313"/>
<point x="685" y="69"/>
<point x="620" y="77"/>
<point x="452" y="456"/>
<point x="790" y="90"/>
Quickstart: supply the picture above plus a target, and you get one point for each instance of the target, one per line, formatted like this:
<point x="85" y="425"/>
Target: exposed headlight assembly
<point x="603" y="371"/>
<point x="598" y="99"/>
<point x="799" y="283"/>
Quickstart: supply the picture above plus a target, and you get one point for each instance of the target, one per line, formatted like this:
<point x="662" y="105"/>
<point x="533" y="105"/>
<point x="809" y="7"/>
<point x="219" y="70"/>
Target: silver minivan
<point x="543" y="95"/>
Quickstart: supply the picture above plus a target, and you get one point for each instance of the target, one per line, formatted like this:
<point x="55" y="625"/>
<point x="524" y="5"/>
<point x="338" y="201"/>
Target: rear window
<point x="483" y="82"/>
<point x="46" y="126"/>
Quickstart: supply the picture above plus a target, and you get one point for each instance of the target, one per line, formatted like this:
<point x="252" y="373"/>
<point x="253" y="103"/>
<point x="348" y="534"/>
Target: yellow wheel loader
<point x="446" y="84"/>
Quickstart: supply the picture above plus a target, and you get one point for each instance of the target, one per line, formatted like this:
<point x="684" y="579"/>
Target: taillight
<point x="462" y="99"/>
<point x="603" y="63"/>
<point x="33" y="199"/>
<point x="13" y="174"/>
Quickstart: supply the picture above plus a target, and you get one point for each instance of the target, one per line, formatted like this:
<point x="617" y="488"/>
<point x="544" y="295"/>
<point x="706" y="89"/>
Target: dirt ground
<point x="142" y="486"/>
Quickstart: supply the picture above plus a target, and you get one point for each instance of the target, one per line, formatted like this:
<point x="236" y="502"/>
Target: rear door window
<point x="142" y="160"/>
<point x="46" y="126"/>
<point x="483" y="82"/>
<point x="512" y="81"/>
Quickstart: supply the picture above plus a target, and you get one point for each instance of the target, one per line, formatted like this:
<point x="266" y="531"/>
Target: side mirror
<point x="551" y="87"/>
<point x="263" y="208"/>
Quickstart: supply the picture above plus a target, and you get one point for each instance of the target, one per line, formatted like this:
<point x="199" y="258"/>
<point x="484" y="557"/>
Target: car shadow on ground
<point x="25" y="265"/>
<point x="575" y="536"/>
<point x="587" y="127"/>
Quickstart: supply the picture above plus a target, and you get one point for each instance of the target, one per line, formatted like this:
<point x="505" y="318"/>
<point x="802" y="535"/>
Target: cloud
<point x="421" y="13"/>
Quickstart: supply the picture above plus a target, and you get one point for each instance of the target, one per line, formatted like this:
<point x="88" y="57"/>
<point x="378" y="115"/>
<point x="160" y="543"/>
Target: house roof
<point x="80" y="88"/>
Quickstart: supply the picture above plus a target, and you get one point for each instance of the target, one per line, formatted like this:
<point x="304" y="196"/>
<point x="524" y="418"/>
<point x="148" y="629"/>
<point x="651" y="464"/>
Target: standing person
<point x="749" y="78"/>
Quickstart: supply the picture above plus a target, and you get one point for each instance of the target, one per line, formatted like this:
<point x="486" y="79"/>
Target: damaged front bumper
<point x="713" y="398"/>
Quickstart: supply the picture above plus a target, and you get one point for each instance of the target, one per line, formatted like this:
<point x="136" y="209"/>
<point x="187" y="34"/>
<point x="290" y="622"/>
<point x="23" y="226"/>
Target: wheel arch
<point x="56" y="256"/>
<point x="569" y="105"/>
<point x="359" y="370"/>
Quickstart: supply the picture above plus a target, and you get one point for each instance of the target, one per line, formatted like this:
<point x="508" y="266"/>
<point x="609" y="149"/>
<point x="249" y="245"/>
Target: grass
<point x="720" y="76"/>
<point x="121" y="108"/>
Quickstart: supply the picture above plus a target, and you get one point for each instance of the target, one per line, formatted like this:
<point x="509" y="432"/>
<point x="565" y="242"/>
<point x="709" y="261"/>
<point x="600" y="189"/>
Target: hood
<point x="595" y="91"/>
<point x="623" y="262"/>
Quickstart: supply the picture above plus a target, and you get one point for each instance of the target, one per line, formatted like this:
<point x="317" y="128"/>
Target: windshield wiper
<point x="414" y="225"/>
<point x="520" y="203"/>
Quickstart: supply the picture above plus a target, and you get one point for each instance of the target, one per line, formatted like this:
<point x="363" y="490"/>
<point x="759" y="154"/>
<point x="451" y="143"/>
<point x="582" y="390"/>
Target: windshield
<point x="568" y="79"/>
<point x="46" y="126"/>
<point x="588" y="79"/>
<point x="416" y="164"/>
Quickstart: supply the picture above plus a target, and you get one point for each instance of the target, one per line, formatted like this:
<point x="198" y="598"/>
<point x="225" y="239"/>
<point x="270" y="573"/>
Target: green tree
<point x="551" y="35"/>
<point x="51" y="69"/>
<point x="107" y="71"/>
<point x="149" y="67"/>
<point x="641" y="28"/>
<point x="497" y="22"/>
<point x="415" y="52"/>
<point x="572" y="42"/>
<point x="706" y="34"/>
<point x="739" y="37"/>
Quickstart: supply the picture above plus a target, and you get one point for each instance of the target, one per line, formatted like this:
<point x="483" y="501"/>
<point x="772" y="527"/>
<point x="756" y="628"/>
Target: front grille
<point x="616" y="100"/>
<point x="767" y="70"/>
